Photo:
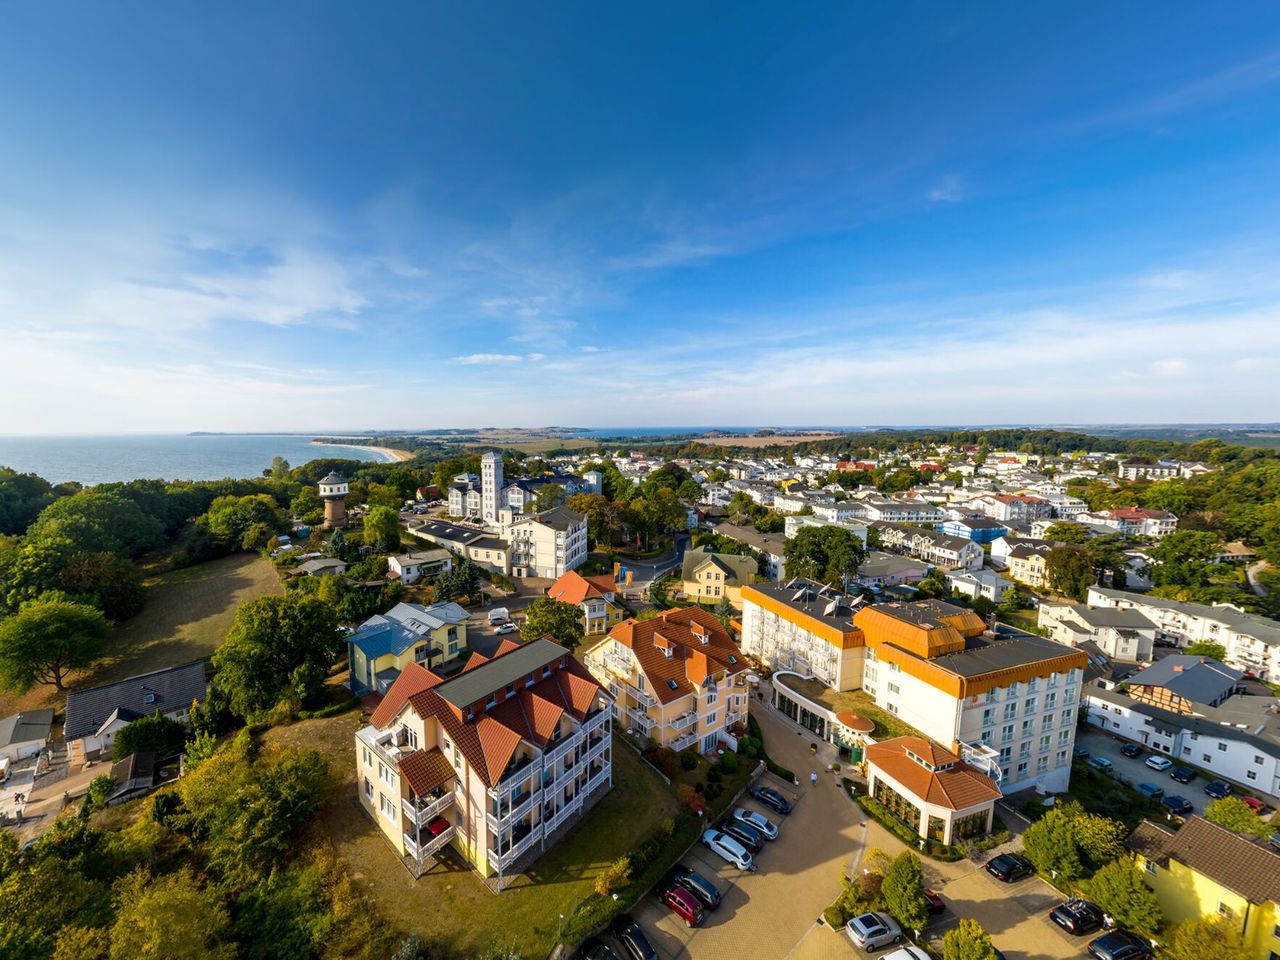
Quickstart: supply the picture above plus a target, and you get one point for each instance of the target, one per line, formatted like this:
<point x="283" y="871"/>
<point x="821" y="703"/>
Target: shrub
<point x="99" y="788"/>
<point x="669" y="762"/>
<point x="614" y="876"/>
<point x="688" y="760"/>
<point x="729" y="762"/>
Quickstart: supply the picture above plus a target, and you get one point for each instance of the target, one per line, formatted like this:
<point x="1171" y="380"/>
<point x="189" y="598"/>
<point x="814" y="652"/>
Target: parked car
<point x="757" y="821"/>
<point x="1010" y="867"/>
<point x="684" y="905"/>
<point x="1150" y="790"/>
<point x="1077" y="916"/>
<point x="871" y="931"/>
<point x="1218" y="789"/>
<point x="1158" y="763"/>
<point x="1131" y="750"/>
<point x="597" y="950"/>
<point x="728" y="849"/>
<point x="633" y="940"/>
<point x="1182" y="774"/>
<point x="1254" y="804"/>
<point x="749" y="837"/>
<point x="1176" y="804"/>
<point x="906" y="953"/>
<point x="772" y="799"/>
<point x="507" y="627"/>
<point x="702" y="888"/>
<point x="1099" y="763"/>
<point x="1119" y="945"/>
<point x="1080" y="753"/>
<point x="933" y="903"/>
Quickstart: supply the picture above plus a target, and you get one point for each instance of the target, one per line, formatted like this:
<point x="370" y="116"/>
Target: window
<point x="1257" y="759"/>
<point x="410" y="737"/>
<point x="1222" y="747"/>
<point x="385" y="775"/>
<point x="1030" y="705"/>
<point x="1207" y="758"/>
<point x="1006" y="732"/>
<point x="1010" y="711"/>
<point x="894" y="688"/>
<point x="1251" y="774"/>
<point x="1225" y="910"/>
<point x="1149" y="868"/>
<point x="1022" y="769"/>
<point x="368" y="757"/>
<point x="368" y="789"/>
<point x="892" y="708"/>
<point x="388" y="808"/>
<point x="711" y="718"/>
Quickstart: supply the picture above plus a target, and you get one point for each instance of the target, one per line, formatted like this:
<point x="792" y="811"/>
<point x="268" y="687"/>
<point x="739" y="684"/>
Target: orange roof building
<point x="596" y="597"/>
<point x="505" y="751"/>
<point x="931" y="789"/>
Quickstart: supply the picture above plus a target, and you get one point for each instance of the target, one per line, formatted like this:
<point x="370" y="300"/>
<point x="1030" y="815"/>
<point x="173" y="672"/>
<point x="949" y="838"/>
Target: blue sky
<point x="321" y="216"/>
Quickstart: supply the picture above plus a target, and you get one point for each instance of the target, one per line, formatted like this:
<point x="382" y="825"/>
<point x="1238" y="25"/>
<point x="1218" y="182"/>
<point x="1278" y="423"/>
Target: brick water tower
<point x="333" y="491"/>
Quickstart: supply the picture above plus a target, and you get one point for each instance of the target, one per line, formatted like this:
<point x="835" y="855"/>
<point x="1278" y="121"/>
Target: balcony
<point x="684" y="720"/>
<point x="596" y="750"/>
<point x="507" y="812"/>
<point x="421" y="851"/>
<point x="503" y="860"/>
<point x="620" y="665"/>
<point x="731" y="718"/>
<point x="597" y="779"/>
<point x="425" y="809"/>
<point x="644" y="699"/>
<point x="640" y="719"/>
<point x="688" y="740"/>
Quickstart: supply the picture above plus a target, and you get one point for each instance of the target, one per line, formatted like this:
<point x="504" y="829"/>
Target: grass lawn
<point x="449" y="908"/>
<point x="1022" y="619"/>
<point x="856" y="701"/>
<point x="187" y="614"/>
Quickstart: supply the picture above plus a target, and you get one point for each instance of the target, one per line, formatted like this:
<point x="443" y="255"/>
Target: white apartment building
<point x="546" y="544"/>
<point x="805" y="627"/>
<point x="1121" y="634"/>
<point x="794" y="525"/>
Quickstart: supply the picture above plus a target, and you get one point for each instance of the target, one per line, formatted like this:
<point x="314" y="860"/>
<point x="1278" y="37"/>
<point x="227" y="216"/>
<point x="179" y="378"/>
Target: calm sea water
<point x="168" y="456"/>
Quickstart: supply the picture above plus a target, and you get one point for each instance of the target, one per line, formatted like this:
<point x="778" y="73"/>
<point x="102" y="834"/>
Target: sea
<point x="109" y="459"/>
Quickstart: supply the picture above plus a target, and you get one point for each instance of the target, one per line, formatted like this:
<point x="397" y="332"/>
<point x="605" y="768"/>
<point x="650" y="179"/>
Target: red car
<point x="1254" y="804"/>
<point x="438" y="826"/>
<point x="933" y="902"/>
<point x="684" y="905"/>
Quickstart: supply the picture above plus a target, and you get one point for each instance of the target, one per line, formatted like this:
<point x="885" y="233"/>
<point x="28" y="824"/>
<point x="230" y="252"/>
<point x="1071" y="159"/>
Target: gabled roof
<point x="26" y="727"/>
<point x="951" y="783"/>
<point x="404" y="625"/>
<point x="424" y="770"/>
<point x="165" y="690"/>
<point x="1238" y="863"/>
<point x="1198" y="679"/>
<point x="682" y="632"/>
<point x="557" y="518"/>
<point x="573" y="587"/>
<point x="414" y="678"/>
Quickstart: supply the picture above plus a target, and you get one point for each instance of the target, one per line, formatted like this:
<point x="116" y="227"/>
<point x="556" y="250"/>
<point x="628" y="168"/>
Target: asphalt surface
<point x="1133" y="770"/>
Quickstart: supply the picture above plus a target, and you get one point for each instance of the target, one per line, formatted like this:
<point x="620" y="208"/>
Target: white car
<point x="507" y="627"/>
<point x="907" y="953"/>
<point x="757" y="820"/>
<point x="1159" y="763"/>
<point x="728" y="849"/>
<point x="871" y="931"/>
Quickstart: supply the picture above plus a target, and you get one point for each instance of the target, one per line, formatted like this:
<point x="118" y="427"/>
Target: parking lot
<point x="1134" y="770"/>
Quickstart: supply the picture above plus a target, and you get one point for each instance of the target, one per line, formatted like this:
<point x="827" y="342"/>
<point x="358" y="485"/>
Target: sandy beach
<point x="392" y="455"/>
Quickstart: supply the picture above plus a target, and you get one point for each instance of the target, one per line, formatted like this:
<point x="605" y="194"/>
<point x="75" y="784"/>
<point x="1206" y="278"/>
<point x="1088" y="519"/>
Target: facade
<point x="708" y="577"/>
<point x="95" y="715"/>
<point x="1203" y="870"/>
<point x="490" y="486"/>
<point x="1015" y="507"/>
<point x="1184" y="684"/>
<point x="931" y="789"/>
<point x="1029" y="564"/>
<point x="977" y="529"/>
<point x="25" y="734"/>
<point x="881" y="569"/>
<point x="805" y="627"/>
<point x="938" y="549"/>
<point x="1137" y="521"/>
<point x="1252" y="642"/>
<point x="386" y="643"/>
<point x="1142" y="470"/>
<point x="1121" y="634"/>
<point x="979" y="583"/>
<point x="492" y="763"/>
<point x="412" y="567"/>
<point x="478" y="546"/>
<point x="546" y="544"/>
<point x="676" y="678"/>
<point x="884" y="509"/>
<point x="596" y="597"/>
<point x="333" y="491"/>
<point x="464" y="496"/>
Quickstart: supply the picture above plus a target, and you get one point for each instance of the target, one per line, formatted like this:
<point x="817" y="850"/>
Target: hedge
<point x="878" y="812"/>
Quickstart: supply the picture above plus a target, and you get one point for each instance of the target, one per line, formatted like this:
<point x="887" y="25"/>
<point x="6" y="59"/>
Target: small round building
<point x="333" y="491"/>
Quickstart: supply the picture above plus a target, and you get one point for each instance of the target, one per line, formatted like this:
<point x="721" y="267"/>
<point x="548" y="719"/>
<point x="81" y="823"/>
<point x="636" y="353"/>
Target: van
<point x="499" y="615"/>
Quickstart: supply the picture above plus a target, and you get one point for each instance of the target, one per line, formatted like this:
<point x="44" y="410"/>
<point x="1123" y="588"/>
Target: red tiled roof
<point x="424" y="770"/>
<point x="691" y="661"/>
<point x="506" y="646"/>
<point x="958" y="787"/>
<point x="476" y="659"/>
<point x="414" y="678"/>
<point x="573" y="587"/>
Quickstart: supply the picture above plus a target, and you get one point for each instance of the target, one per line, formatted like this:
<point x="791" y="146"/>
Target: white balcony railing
<point x="598" y="779"/>
<point x="427" y="848"/>
<point x="644" y="699"/>
<point x="618" y="664"/>
<point x="495" y="822"/>
<point x="684" y="720"/>
<point x="420" y="813"/>
<point x="505" y="859"/>
<point x="688" y="740"/>
<point x="640" y="719"/>
<point x="731" y="718"/>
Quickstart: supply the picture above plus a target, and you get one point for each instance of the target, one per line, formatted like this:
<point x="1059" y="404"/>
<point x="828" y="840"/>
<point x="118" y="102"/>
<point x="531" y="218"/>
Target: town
<point x="925" y="697"/>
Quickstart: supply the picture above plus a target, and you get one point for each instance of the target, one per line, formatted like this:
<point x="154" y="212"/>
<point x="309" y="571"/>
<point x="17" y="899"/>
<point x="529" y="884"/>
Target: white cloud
<point x="1171" y="367"/>
<point x="950" y="189"/>
<point x="472" y="359"/>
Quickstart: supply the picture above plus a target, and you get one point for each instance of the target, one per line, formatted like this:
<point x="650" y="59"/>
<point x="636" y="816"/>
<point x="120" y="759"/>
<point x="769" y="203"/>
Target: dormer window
<point x="732" y="659"/>
<point x="148" y="697"/>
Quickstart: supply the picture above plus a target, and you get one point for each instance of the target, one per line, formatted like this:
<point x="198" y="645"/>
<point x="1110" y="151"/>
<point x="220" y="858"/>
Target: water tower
<point x="333" y="491"/>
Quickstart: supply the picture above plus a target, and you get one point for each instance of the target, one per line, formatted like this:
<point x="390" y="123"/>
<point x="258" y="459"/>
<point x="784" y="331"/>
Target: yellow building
<point x="407" y="633"/>
<point x="675" y="678"/>
<point x="596" y="597"/>
<point x="1204" y="870"/>
<point x="709" y="577"/>
<point x="1027" y="565"/>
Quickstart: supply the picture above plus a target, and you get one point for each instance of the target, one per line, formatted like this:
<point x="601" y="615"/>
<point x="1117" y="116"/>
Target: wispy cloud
<point x="473" y="359"/>
<point x="950" y="189"/>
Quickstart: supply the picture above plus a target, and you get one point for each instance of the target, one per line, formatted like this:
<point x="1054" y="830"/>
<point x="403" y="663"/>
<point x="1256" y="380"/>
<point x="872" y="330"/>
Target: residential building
<point x="898" y="511"/>
<point x="837" y="511"/>
<point x="938" y="549"/>
<point x="979" y="583"/>
<point x="931" y="789"/>
<point x="382" y="646"/>
<point x="677" y="678"/>
<point x="1144" y="470"/>
<point x="1238" y="741"/>
<point x="1121" y="634"/>
<point x="25" y="734"/>
<point x="508" y="752"/>
<point x="546" y="544"/>
<point x="1029" y="564"/>
<point x="1184" y="684"/>
<point x="794" y="524"/>
<point x="1017" y="507"/>
<point x="1203" y="870"/>
<point x="95" y="715"/>
<point x="1252" y="642"/>
<point x="321" y="567"/>
<point x="596" y="597"/>
<point x="881" y="569"/>
<point x="977" y="529"/>
<point x="409" y="568"/>
<point x="805" y="627"/>
<point x="464" y="496"/>
<point x="1001" y="547"/>
<point x="771" y="546"/>
<point x="478" y="546"/>
<point x="1136" y="521"/>
<point x="708" y="577"/>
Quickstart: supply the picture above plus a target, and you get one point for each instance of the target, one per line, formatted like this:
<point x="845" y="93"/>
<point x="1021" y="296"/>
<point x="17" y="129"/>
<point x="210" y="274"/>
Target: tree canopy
<point x="382" y="529"/>
<point x="99" y="521"/>
<point x="967" y="941"/>
<point x="824" y="554"/>
<point x="46" y="639"/>
<point x="561" y="621"/>
<point x="1234" y="814"/>
<point x="903" y="891"/>
<point x="1118" y="889"/>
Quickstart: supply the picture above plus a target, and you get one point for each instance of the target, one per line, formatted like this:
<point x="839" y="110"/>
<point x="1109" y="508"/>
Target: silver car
<point x="871" y="931"/>
<point x="757" y="820"/>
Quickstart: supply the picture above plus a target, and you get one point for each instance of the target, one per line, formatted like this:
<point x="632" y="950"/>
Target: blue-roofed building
<point x="383" y="644"/>
<point x="978" y="529"/>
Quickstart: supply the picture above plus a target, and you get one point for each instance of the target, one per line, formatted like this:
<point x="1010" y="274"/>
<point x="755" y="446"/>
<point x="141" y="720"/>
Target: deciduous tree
<point x="45" y="639"/>
<point x="95" y="521"/>
<point x="171" y="917"/>
<point x="561" y="621"/>
<point x="967" y="941"/>
<point x="825" y="554"/>
<point x="1234" y="814"/>
<point x="382" y="529"/>
<point x="903" y="890"/>
<point x="1118" y="889"/>
<point x="1215" y="937"/>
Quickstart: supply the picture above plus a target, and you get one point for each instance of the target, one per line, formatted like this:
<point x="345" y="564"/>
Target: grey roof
<point x="422" y="556"/>
<point x="169" y="690"/>
<point x="404" y="625"/>
<point x="477" y="683"/>
<point x="557" y="518"/>
<point x="1260" y="628"/>
<point x="442" y="530"/>
<point x="1009" y="648"/>
<point x="1101" y="617"/>
<point x="334" y="477"/>
<point x="315" y="566"/>
<point x="980" y="523"/>
<point x="1198" y="679"/>
<point x="738" y="567"/>
<point x="752" y="537"/>
<point x="26" y="727"/>
<point x="881" y="564"/>
<point x="813" y="599"/>
<point x="1263" y="733"/>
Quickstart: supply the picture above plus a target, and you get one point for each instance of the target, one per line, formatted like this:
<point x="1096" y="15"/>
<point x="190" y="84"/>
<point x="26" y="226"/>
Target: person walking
<point x="813" y="778"/>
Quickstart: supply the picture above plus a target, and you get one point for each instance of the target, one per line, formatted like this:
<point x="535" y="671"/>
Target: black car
<point x="1010" y="867"/>
<point x="697" y="884"/>
<point x="1131" y="750"/>
<point x="1218" y="789"/>
<point x="748" y="836"/>
<point x="1077" y="916"/>
<point x="772" y="799"/>
<point x="633" y="939"/>
<point x="597" y="950"/>
<point x="1080" y="753"/>
<point x="1119" y="945"/>
<point x="1176" y="804"/>
<point x="1182" y="774"/>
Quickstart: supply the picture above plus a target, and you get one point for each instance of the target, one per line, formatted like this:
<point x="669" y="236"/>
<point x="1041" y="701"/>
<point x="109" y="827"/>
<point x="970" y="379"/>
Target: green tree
<point x="307" y="505"/>
<point x="45" y="639"/>
<point x="1100" y="839"/>
<point x="903" y="891"/>
<point x="1069" y="571"/>
<point x="606" y="525"/>
<point x="110" y="583"/>
<point x="1065" y="531"/>
<point x="967" y="941"/>
<point x="383" y="495"/>
<point x="170" y="917"/>
<point x="824" y="554"/>
<point x="229" y="518"/>
<point x="271" y="638"/>
<point x="560" y="621"/>
<point x="22" y="497"/>
<point x="96" y="521"/>
<point x="1199" y="939"/>
<point x="260" y="537"/>
<point x="1207" y="648"/>
<point x="1050" y="844"/>
<point x="1118" y="889"/>
<point x="279" y="469"/>
<point x="157" y="733"/>
<point x="339" y="546"/>
<point x="550" y="496"/>
<point x="382" y="529"/>
<point x="1234" y="814"/>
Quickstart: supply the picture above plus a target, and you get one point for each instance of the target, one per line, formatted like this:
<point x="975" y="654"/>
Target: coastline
<point x="391" y="453"/>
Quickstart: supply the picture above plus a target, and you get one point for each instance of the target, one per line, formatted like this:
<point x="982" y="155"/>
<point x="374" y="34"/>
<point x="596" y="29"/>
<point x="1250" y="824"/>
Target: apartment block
<point x="805" y="627"/>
